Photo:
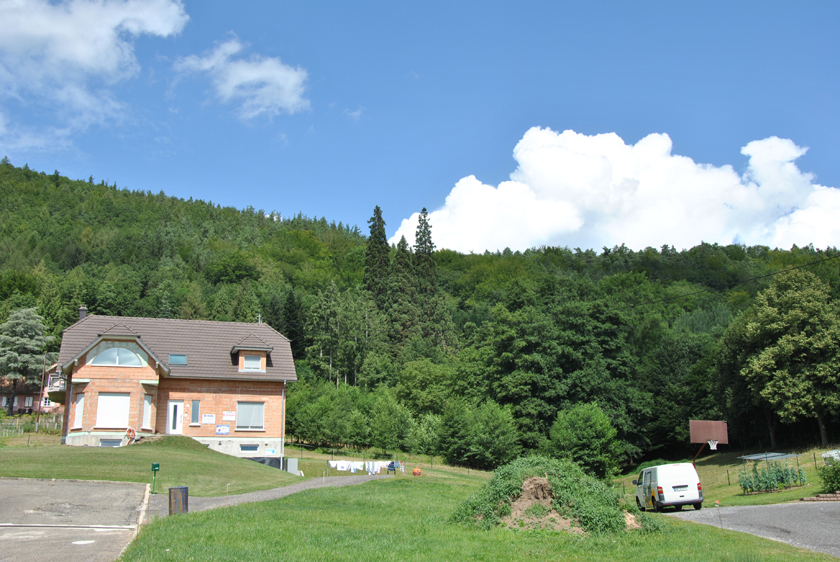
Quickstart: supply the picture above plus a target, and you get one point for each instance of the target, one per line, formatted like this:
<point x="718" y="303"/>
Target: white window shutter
<point x="112" y="410"/>
<point x="249" y="415"/>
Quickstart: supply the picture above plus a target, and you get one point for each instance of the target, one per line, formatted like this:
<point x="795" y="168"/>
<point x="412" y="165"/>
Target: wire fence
<point x="12" y="427"/>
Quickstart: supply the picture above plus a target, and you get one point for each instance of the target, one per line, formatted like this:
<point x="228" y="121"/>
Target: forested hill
<point x="457" y="348"/>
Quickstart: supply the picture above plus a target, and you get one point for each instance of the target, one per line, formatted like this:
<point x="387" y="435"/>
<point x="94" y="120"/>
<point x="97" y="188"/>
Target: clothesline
<point x="372" y="467"/>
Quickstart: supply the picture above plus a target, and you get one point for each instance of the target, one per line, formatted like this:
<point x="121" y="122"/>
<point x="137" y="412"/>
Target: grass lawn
<point x="716" y="486"/>
<point x="405" y="519"/>
<point x="183" y="462"/>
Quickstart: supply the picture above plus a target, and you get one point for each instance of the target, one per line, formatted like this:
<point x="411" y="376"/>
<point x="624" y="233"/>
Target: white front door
<point x="175" y="417"/>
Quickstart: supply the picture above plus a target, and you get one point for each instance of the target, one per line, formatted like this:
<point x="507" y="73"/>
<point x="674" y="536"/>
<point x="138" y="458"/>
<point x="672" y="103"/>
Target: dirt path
<point x="159" y="503"/>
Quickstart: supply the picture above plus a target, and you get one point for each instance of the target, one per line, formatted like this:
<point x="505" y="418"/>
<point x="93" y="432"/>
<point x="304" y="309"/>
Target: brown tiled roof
<point x="206" y="344"/>
<point x="252" y="341"/>
<point x="119" y="329"/>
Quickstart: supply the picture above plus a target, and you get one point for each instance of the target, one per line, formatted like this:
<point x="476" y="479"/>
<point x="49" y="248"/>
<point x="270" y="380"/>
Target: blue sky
<point x="332" y="108"/>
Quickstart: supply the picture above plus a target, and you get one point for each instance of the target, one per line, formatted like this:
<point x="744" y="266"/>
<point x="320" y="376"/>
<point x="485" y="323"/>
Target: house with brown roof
<point x="221" y="383"/>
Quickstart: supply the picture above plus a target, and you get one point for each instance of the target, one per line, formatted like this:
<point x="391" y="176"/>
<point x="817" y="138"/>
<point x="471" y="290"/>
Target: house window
<point x="15" y="403"/>
<point x="4" y="401"/>
<point x="117" y="357"/>
<point x="28" y="401"/>
<point x="47" y="402"/>
<point x="177" y="359"/>
<point x="79" y="410"/>
<point x="195" y="414"/>
<point x="249" y="448"/>
<point x="249" y="415"/>
<point x="252" y="363"/>
<point x="110" y="442"/>
<point x="112" y="409"/>
<point x="147" y="411"/>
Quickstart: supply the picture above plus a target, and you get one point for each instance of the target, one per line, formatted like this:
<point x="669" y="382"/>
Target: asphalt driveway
<point x="67" y="520"/>
<point x="159" y="503"/>
<point x="811" y="525"/>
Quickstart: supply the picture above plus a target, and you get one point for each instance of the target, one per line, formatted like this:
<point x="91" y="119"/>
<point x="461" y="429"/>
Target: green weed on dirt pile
<point x="577" y="495"/>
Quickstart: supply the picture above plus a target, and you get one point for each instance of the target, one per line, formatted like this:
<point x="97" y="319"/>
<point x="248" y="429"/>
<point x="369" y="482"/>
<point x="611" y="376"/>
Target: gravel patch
<point x="159" y="503"/>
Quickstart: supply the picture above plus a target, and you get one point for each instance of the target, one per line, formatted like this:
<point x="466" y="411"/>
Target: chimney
<point x="82" y="312"/>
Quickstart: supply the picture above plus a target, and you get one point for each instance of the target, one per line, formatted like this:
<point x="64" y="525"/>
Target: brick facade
<point x="146" y="372"/>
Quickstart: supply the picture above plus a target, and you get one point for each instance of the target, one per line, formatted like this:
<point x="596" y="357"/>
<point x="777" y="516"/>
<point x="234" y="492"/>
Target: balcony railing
<point x="56" y="384"/>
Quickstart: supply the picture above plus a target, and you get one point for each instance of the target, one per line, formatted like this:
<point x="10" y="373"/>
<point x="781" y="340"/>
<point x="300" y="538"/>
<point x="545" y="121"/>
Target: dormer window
<point x="117" y="357"/>
<point x="251" y="353"/>
<point x="177" y="359"/>
<point x="252" y="363"/>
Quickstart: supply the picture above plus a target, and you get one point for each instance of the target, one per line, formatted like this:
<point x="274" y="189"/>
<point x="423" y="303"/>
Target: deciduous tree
<point x="793" y="340"/>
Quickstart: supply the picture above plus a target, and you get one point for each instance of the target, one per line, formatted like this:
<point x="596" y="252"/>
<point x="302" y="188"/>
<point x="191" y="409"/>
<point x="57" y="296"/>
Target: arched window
<point x="117" y="357"/>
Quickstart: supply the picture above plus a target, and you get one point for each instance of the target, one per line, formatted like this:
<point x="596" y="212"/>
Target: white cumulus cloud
<point x="576" y="190"/>
<point x="68" y="55"/>
<point x="260" y="85"/>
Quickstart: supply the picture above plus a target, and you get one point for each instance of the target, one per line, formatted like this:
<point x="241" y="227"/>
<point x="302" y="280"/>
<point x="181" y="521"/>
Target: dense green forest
<point x="433" y="351"/>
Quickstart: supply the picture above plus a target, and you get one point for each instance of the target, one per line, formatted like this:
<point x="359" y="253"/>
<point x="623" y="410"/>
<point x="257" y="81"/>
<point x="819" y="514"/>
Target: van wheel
<point x="698" y="506"/>
<point x="656" y="507"/>
<point x="639" y="505"/>
<point x="677" y="508"/>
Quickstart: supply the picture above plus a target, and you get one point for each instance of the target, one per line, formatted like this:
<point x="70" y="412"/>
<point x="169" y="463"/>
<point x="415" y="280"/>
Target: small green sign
<point x="155" y="466"/>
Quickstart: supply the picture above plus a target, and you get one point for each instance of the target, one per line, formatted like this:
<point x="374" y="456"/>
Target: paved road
<point x="75" y="521"/>
<point x="67" y="520"/>
<point x="159" y="503"/>
<point x="811" y="525"/>
<point x="18" y="544"/>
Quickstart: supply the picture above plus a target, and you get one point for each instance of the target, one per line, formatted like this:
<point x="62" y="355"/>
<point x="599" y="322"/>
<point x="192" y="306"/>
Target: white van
<point x="668" y="485"/>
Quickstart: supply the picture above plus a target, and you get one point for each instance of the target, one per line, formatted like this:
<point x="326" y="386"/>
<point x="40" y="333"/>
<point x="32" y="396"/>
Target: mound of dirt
<point x="532" y="509"/>
<point x="631" y="521"/>
<point x="524" y="492"/>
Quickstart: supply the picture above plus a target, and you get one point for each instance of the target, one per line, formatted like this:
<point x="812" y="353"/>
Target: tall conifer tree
<point x="402" y="294"/>
<point x="424" y="259"/>
<point x="436" y="322"/>
<point x="23" y="341"/>
<point x="376" y="259"/>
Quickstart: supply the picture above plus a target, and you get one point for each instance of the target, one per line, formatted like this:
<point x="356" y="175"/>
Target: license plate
<point x="680" y="488"/>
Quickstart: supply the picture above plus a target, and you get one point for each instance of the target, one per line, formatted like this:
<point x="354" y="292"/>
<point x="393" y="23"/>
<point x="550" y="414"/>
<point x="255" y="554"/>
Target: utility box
<point x="179" y="500"/>
<point x="290" y="464"/>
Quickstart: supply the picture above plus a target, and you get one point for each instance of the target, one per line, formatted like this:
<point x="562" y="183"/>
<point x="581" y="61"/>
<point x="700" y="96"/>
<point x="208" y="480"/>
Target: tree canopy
<point x="23" y="344"/>
<point x="501" y="341"/>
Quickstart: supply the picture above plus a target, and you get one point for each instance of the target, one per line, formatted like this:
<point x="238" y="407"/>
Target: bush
<point x="830" y="476"/>
<point x="482" y="436"/>
<point x="577" y="495"/>
<point x="585" y="434"/>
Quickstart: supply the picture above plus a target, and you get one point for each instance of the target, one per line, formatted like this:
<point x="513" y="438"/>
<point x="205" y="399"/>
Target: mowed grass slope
<point x="183" y="462"/>
<point x="405" y="519"/>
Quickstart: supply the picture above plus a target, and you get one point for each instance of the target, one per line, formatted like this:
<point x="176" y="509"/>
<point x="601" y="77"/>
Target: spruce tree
<point x="436" y="322"/>
<point x="424" y="258"/>
<point x="273" y="311"/>
<point x="246" y="306"/>
<point x="222" y="310"/>
<point x="376" y="260"/>
<point x="23" y="341"/>
<point x="402" y="295"/>
<point x="292" y="324"/>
